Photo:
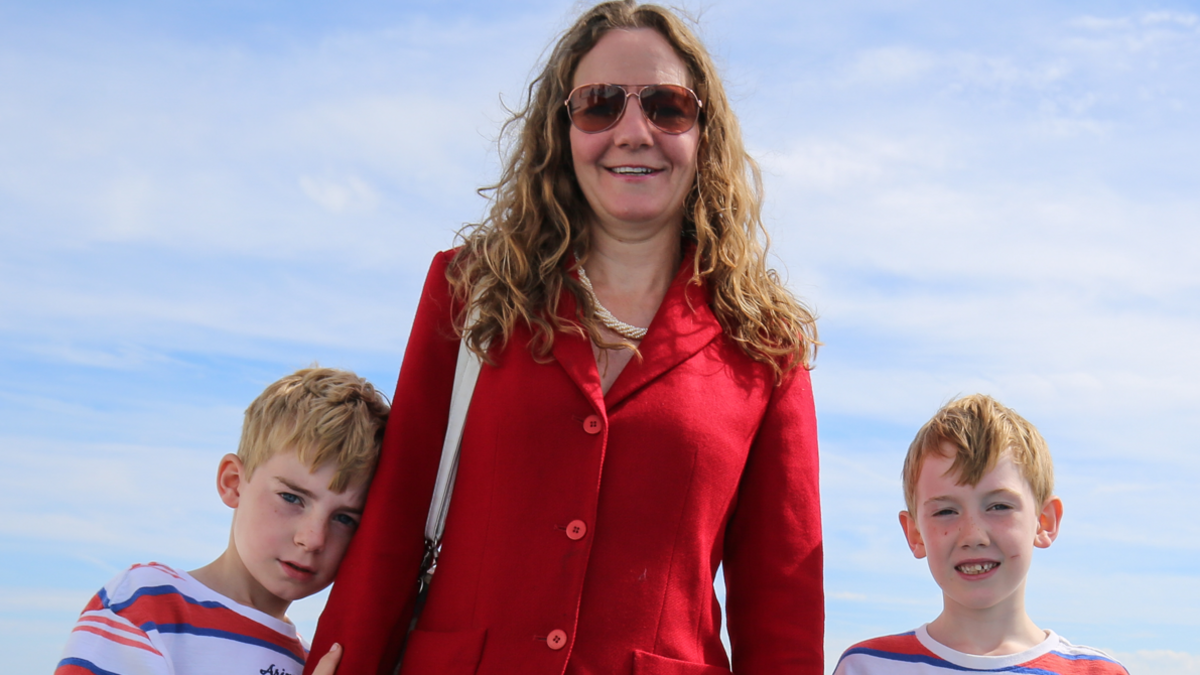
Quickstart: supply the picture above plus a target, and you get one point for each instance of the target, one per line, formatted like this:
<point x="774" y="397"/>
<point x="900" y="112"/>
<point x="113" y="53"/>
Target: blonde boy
<point x="979" y="487"/>
<point x="296" y="486"/>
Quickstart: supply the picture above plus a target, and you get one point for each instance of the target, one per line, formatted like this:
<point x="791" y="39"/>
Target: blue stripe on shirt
<point x="188" y="629"/>
<point x="84" y="663"/>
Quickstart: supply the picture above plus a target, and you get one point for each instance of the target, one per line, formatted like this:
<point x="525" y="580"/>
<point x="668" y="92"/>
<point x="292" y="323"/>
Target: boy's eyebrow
<point x="990" y="493"/>
<point x="304" y="492"/>
<point x="1002" y="490"/>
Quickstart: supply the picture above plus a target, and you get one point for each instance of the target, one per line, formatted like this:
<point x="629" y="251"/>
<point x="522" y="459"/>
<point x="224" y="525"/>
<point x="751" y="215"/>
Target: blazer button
<point x="576" y="530"/>
<point x="592" y="424"/>
<point x="556" y="640"/>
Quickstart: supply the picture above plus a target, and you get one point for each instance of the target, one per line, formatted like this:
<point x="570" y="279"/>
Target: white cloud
<point x="824" y="164"/>
<point x="891" y="65"/>
<point x="25" y="599"/>
<point x="1160" y="662"/>
<point x="340" y="196"/>
<point x="1178" y="18"/>
<point x="1007" y="211"/>
<point x="207" y="148"/>
<point x="1130" y="40"/>
<point x="1095" y="23"/>
<point x="135" y="501"/>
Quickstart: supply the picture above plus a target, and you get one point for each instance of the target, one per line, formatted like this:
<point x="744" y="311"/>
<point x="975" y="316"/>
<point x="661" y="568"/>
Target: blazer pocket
<point x="443" y="653"/>
<point x="645" y="663"/>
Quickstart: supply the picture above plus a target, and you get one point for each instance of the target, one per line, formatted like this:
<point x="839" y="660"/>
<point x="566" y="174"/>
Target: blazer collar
<point x="683" y="325"/>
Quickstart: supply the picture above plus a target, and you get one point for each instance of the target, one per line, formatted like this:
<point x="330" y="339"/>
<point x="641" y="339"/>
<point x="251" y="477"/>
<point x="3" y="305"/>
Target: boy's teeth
<point x="977" y="568"/>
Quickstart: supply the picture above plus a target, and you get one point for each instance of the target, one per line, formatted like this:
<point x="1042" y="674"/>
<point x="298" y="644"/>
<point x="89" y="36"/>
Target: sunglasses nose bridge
<point x="629" y="92"/>
<point x="645" y="122"/>
<point x="634" y="92"/>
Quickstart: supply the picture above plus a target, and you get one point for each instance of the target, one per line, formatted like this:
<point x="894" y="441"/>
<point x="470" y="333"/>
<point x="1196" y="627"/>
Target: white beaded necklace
<point x="627" y="331"/>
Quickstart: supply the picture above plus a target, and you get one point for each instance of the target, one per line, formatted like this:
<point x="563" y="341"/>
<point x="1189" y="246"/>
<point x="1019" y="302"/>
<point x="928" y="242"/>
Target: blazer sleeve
<point x="773" y="556"/>
<point x="371" y="604"/>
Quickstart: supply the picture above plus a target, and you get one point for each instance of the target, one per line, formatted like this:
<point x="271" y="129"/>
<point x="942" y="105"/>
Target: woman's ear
<point x="912" y="534"/>
<point x="1049" y="521"/>
<point x="231" y="473"/>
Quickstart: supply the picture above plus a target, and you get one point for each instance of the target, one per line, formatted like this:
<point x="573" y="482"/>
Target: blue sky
<point x="197" y="198"/>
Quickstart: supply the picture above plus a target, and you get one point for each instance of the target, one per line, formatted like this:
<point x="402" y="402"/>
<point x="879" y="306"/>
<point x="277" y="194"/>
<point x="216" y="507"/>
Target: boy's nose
<point x="310" y="536"/>
<point x="973" y="533"/>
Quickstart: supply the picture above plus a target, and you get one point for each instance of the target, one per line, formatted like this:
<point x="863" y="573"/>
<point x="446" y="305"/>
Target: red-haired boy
<point x="979" y="487"/>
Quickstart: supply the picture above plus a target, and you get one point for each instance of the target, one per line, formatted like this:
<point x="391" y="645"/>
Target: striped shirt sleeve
<point x="104" y="643"/>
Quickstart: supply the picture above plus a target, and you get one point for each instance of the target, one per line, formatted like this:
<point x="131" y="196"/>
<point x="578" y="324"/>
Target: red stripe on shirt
<point x="117" y="638"/>
<point x="160" y="567"/>
<point x="94" y="605"/>
<point x="896" y="644"/>
<point x="112" y="624"/>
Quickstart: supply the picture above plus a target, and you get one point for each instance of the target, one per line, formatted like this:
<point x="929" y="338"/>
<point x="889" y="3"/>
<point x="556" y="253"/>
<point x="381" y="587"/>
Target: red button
<point x="576" y="530"/>
<point x="592" y="424"/>
<point x="556" y="640"/>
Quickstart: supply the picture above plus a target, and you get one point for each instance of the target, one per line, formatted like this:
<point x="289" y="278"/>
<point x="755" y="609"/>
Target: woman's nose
<point x="633" y="129"/>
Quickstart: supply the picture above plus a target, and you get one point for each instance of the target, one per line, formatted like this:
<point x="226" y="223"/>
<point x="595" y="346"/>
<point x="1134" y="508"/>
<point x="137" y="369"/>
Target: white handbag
<point x="466" y="372"/>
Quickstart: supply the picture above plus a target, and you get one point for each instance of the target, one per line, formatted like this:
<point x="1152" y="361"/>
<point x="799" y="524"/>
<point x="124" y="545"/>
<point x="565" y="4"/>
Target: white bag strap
<point x="466" y="372"/>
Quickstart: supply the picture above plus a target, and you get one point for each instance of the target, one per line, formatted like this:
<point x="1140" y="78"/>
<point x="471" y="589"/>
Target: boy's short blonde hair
<point x="324" y="415"/>
<point x="982" y="429"/>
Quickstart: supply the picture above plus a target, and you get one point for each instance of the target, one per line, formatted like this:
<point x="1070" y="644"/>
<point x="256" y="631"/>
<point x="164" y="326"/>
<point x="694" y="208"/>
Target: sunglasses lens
<point x="671" y="108"/>
<point x="596" y="107"/>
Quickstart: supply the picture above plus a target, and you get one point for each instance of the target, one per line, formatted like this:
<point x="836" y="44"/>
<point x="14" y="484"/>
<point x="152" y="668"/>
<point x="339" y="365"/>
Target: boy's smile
<point x="978" y="539"/>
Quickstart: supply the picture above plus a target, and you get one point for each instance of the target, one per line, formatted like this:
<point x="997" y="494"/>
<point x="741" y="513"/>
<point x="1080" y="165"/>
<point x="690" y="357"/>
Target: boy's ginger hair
<point x="982" y="429"/>
<point x="324" y="415"/>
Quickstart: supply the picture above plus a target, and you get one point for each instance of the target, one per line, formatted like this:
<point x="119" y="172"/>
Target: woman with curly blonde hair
<point x="644" y="413"/>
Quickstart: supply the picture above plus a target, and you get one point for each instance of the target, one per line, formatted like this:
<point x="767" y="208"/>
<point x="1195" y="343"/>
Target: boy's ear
<point x="231" y="473"/>
<point x="912" y="534"/>
<point x="1048" y="523"/>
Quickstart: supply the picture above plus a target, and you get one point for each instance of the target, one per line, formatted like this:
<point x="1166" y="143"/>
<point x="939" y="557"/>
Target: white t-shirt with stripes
<point x="153" y="620"/>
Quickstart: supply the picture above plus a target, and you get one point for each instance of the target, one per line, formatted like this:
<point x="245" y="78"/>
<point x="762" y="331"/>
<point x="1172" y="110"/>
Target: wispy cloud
<point x="1160" y="662"/>
<point x="975" y="198"/>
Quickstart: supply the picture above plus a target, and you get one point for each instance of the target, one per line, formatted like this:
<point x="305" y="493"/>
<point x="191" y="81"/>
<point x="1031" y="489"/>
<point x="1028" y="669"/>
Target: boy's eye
<point x="944" y="512"/>
<point x="290" y="498"/>
<point x="347" y="520"/>
<point x="1001" y="507"/>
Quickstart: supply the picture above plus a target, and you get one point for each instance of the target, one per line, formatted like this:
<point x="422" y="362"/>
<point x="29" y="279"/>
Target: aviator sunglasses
<point x="670" y="108"/>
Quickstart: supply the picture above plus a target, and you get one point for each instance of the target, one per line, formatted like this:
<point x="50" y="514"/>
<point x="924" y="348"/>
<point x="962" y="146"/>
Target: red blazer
<point x="586" y="529"/>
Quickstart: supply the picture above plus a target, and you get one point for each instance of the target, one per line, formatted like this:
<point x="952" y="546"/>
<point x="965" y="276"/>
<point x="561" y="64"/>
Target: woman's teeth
<point x="634" y="170"/>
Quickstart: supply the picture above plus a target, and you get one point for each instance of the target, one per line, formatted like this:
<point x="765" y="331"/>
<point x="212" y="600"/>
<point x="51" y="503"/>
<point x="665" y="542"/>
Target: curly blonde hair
<point x="512" y="269"/>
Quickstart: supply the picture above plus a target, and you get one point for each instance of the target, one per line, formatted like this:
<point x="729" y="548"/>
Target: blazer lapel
<point x="683" y="325"/>
<point x="574" y="353"/>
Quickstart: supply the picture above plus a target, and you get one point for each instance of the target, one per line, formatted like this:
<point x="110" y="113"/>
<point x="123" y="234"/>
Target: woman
<point x="645" y="413"/>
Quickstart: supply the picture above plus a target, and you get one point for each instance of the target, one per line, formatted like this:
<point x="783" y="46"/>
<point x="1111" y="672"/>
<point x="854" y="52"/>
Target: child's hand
<point x="329" y="663"/>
